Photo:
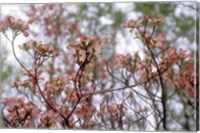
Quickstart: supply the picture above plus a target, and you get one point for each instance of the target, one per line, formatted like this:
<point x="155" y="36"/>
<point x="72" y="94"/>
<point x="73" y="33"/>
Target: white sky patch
<point x="187" y="7"/>
<point x="8" y="9"/>
<point x="126" y="7"/>
<point x="120" y="47"/>
<point x="96" y="101"/>
<point x="182" y="41"/>
<point x="128" y="45"/>
<point x="105" y="21"/>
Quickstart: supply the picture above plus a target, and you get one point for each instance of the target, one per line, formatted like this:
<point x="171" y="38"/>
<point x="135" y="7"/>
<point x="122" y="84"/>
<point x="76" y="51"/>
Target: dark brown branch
<point x="163" y="97"/>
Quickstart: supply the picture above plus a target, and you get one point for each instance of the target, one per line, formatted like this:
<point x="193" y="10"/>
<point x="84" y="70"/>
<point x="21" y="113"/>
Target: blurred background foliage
<point x="105" y="18"/>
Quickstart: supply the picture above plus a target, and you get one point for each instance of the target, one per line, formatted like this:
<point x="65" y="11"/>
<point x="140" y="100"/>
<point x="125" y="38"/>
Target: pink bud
<point x="160" y="45"/>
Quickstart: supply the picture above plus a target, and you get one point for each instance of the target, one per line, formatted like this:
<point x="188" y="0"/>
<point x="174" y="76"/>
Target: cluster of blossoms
<point x="20" y="112"/>
<point x="88" y="46"/>
<point x="17" y="25"/>
<point x="137" y="23"/>
<point x="48" y="119"/>
<point x="55" y="87"/>
<point x="184" y="79"/>
<point x="39" y="49"/>
<point x="174" y="57"/>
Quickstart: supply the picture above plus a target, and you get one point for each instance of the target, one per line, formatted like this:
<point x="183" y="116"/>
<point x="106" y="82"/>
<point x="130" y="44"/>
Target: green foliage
<point x="119" y="18"/>
<point x="7" y="72"/>
<point x="91" y="12"/>
<point x="183" y="24"/>
<point x="5" y="68"/>
<point x="156" y="9"/>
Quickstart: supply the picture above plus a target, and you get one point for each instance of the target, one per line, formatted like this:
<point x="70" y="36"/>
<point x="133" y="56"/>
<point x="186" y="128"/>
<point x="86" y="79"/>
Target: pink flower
<point x="132" y="23"/>
<point x="171" y="51"/>
<point x="4" y="26"/>
<point x="48" y="119"/>
<point x="33" y="110"/>
<point x="161" y="37"/>
<point x="160" y="45"/>
<point x="55" y="53"/>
